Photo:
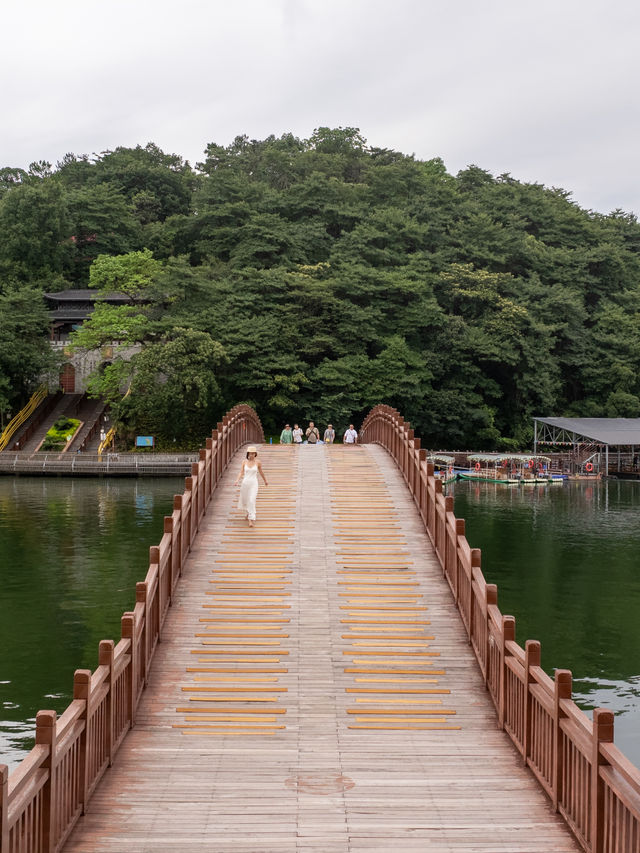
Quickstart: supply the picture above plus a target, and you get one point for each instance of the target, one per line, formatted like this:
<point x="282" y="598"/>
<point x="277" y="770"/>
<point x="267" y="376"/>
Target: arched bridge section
<point x="308" y="684"/>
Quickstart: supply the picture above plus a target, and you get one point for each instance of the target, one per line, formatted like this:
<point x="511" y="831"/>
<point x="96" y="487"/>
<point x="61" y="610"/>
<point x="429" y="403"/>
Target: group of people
<point x="312" y="435"/>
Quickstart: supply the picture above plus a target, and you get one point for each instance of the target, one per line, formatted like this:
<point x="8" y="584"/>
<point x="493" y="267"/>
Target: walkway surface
<point x="314" y="690"/>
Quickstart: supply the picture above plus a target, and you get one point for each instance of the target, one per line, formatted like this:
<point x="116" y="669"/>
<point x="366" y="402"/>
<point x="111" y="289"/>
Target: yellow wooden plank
<point x="232" y="699"/>
<point x="407" y="727"/>
<point x="395" y="671"/>
<point x="395" y="690"/>
<point x="228" y="688"/>
<point x="235" y="669"/>
<point x="396" y="680"/>
<point x="399" y="711"/>
<point x="251" y="711"/>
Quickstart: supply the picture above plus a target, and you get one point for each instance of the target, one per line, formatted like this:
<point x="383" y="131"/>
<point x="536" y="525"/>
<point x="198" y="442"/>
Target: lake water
<point x="71" y="552"/>
<point x="566" y="559"/>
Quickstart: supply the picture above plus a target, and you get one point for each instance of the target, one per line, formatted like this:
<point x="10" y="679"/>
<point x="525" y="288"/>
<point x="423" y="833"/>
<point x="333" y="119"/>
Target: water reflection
<point x="565" y="558"/>
<point x="71" y="552"/>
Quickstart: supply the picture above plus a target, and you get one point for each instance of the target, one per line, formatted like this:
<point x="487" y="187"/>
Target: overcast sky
<point x="545" y="90"/>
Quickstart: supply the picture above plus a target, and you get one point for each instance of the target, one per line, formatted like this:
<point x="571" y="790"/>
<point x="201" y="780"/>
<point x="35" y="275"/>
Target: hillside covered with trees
<point x="314" y="278"/>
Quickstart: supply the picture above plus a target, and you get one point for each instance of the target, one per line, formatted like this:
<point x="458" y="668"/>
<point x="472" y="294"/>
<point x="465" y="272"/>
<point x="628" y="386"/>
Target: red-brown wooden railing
<point x="42" y="799"/>
<point x="589" y="781"/>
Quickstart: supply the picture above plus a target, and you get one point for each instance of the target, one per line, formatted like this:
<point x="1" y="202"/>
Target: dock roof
<point x="611" y="431"/>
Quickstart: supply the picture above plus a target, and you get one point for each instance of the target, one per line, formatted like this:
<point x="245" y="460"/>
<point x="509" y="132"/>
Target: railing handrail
<point x="16" y="422"/>
<point x="589" y="781"/>
<point x="48" y="791"/>
<point x="106" y="441"/>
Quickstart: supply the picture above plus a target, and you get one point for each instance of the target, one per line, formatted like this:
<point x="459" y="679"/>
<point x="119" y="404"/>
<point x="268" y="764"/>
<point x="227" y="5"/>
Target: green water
<point x="566" y="559"/>
<point x="71" y="552"/>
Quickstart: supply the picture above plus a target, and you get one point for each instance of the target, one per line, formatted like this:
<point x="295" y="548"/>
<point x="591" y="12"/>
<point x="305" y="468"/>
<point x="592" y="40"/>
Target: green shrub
<point x="52" y="444"/>
<point x="56" y="437"/>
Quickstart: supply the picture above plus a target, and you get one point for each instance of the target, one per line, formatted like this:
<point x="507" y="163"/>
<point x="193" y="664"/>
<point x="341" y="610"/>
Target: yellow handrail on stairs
<point x="111" y="434"/>
<point x="106" y="441"/>
<point x="16" y="422"/>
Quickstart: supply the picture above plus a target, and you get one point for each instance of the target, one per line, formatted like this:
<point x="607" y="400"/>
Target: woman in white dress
<point x="248" y="475"/>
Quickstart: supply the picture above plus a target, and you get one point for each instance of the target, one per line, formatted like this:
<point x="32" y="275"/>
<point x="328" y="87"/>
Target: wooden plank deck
<point x="314" y="690"/>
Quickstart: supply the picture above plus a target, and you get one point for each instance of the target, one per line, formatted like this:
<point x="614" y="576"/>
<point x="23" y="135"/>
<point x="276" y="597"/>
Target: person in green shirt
<point x="286" y="436"/>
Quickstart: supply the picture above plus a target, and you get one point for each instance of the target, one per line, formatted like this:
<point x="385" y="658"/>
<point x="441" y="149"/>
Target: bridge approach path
<point x="314" y="689"/>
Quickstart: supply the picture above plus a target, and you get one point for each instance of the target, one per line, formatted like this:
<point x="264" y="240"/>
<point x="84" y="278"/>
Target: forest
<point x="313" y="278"/>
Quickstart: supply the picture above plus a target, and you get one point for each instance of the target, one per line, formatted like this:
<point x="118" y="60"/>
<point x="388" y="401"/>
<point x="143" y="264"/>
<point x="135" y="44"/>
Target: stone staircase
<point x="90" y="412"/>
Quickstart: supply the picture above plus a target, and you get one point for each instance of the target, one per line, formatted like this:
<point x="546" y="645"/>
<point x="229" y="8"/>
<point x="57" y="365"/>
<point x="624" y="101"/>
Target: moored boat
<point x="511" y="469"/>
<point x="443" y="467"/>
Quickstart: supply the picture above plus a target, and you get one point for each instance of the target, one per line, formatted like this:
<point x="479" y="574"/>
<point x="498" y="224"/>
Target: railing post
<point x="422" y="502"/>
<point x="177" y="507"/>
<point x="508" y="635"/>
<point x="209" y="468"/>
<point x="492" y="601"/>
<point x="81" y="690"/>
<point x="415" y="466"/>
<point x="216" y="456"/>
<point x="221" y="443"/>
<point x="128" y="632"/>
<point x="454" y="571"/>
<point x="105" y="658"/>
<point x="46" y="736"/>
<point x="154" y="560"/>
<point x="531" y="659"/>
<point x="602" y="733"/>
<point x="188" y="485"/>
<point x="563" y="690"/>
<point x="437" y="486"/>
<point x="173" y="572"/>
<point x="141" y="598"/>
<point x="476" y="563"/>
<point x="408" y="456"/>
<point x="4" y="807"/>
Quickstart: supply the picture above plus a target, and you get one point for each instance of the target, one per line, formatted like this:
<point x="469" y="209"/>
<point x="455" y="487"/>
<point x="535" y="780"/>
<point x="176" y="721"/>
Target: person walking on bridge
<point x="249" y="471"/>
<point x="286" y="436"/>
<point x="350" y="436"/>
<point x="312" y="433"/>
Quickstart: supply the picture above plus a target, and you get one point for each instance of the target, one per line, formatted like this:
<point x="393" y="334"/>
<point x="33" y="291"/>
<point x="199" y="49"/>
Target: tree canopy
<point x="314" y="278"/>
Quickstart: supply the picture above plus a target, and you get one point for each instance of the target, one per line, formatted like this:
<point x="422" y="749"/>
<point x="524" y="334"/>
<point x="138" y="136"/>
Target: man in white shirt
<point x="350" y="436"/>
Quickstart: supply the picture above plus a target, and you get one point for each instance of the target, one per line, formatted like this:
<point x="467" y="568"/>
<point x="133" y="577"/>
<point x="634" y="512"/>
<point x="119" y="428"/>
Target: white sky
<point x="545" y="90"/>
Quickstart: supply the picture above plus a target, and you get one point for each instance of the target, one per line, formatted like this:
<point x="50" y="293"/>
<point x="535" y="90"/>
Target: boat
<point x="511" y="469"/>
<point x="443" y="467"/>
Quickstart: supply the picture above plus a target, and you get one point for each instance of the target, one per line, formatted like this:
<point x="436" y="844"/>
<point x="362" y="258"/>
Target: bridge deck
<point x="314" y="690"/>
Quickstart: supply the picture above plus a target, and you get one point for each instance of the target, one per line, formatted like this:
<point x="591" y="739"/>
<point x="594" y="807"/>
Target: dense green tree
<point x="315" y="277"/>
<point x="25" y="354"/>
<point x="34" y="230"/>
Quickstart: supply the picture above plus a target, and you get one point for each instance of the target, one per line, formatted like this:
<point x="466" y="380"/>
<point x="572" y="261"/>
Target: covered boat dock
<point x="606" y="446"/>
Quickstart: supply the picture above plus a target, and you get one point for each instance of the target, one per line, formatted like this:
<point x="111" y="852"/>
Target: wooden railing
<point x="589" y="781"/>
<point x="42" y="799"/>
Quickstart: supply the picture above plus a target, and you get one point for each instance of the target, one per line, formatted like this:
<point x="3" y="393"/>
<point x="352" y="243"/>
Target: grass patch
<point x="62" y="430"/>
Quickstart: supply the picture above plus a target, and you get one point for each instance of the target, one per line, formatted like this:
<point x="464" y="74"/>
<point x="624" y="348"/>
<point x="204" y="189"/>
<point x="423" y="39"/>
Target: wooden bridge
<point x="334" y="679"/>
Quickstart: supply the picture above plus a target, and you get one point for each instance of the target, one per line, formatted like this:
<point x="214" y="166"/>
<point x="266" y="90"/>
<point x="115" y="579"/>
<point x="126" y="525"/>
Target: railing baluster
<point x="4" y="807"/>
<point x="128" y="632"/>
<point x="46" y="736"/>
<point x="532" y="658"/>
<point x="563" y="690"/>
<point x="602" y="733"/>
<point x="105" y="658"/>
<point x="81" y="688"/>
